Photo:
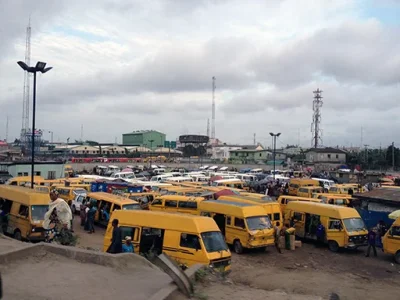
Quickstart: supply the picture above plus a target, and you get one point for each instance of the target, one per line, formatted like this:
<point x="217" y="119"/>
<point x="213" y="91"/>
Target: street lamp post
<point x="40" y="67"/>
<point x="274" y="136"/>
<point x="51" y="132"/>
<point x="151" y="155"/>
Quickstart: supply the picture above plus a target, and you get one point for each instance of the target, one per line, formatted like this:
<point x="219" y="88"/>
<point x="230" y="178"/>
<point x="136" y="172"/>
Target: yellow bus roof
<point x="297" y="197"/>
<point x="237" y="209"/>
<point x="248" y="200"/>
<point x="333" y="211"/>
<point x="111" y="198"/>
<point x="23" y="195"/>
<point x="27" y="178"/>
<point x="162" y="220"/>
<point x="180" y="198"/>
<point x="312" y="187"/>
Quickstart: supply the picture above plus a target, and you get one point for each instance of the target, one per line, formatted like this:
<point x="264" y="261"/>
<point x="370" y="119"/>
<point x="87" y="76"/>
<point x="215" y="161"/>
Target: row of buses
<point x="194" y="223"/>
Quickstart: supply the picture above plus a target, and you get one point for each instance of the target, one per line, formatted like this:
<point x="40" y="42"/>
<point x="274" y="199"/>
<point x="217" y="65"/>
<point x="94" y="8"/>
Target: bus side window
<point x="23" y="211"/>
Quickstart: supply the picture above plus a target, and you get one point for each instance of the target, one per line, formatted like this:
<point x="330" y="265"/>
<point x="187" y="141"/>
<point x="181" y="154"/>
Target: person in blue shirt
<point x="128" y="246"/>
<point x="320" y="233"/>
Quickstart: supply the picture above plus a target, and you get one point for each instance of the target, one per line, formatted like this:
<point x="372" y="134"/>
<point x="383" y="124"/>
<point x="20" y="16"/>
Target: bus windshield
<point x="38" y="212"/>
<point x="259" y="222"/>
<point x="214" y="241"/>
<point x="354" y="224"/>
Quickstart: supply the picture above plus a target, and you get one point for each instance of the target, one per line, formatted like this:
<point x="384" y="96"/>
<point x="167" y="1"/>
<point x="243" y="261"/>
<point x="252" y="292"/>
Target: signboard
<point x="173" y="144"/>
<point x="167" y="144"/>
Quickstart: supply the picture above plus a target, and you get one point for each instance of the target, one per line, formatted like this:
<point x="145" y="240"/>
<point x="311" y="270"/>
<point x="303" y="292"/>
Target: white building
<point x="222" y="152"/>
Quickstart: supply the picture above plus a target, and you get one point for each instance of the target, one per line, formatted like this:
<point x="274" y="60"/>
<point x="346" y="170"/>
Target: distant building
<point x="144" y="138"/>
<point x="223" y="152"/>
<point x="256" y="156"/>
<point x="47" y="169"/>
<point x="84" y="150"/>
<point x="325" y="155"/>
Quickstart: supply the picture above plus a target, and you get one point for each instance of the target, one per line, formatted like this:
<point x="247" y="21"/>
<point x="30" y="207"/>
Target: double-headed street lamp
<point x="40" y="67"/>
<point x="274" y="136"/>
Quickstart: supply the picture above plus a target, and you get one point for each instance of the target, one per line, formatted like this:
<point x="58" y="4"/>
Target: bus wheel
<point x="397" y="257"/>
<point x="333" y="246"/>
<point x="17" y="235"/>
<point x="237" y="246"/>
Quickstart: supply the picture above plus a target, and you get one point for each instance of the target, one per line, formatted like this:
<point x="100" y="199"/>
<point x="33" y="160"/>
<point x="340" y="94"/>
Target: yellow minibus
<point x="344" y="227"/>
<point x="243" y="225"/>
<point x="188" y="239"/>
<point x="24" y="209"/>
<point x="391" y="241"/>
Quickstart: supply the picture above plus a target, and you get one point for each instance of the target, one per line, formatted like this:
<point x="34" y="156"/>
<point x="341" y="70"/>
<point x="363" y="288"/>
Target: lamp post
<point x="51" y="132"/>
<point x="274" y="136"/>
<point x="40" y="67"/>
<point x="151" y="155"/>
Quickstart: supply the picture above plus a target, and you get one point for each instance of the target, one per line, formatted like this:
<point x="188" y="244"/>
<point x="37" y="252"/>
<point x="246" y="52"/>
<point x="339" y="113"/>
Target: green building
<point x="144" y="138"/>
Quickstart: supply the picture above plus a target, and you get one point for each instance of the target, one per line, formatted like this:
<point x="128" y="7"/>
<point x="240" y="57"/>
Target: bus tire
<point x="333" y="246"/>
<point x="397" y="257"/>
<point x="237" y="247"/>
<point x="17" y="235"/>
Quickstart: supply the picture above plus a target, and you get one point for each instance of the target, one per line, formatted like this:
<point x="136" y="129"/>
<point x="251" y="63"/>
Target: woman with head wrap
<point x="57" y="220"/>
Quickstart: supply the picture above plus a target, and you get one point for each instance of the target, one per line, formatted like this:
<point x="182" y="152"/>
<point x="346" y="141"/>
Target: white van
<point x="325" y="182"/>
<point x="178" y="179"/>
<point x="246" y="177"/>
<point x="159" y="171"/>
<point x="159" y="178"/>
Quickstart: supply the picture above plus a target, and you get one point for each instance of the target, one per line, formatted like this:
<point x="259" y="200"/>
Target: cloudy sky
<point x="127" y="65"/>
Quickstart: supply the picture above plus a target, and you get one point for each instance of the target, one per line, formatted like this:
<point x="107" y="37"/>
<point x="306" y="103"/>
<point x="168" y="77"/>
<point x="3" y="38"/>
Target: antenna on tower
<point x="254" y="139"/>
<point x="213" y="109"/>
<point x="315" y="126"/>
<point x="26" y="93"/>
<point x="208" y="127"/>
<point x="81" y="132"/>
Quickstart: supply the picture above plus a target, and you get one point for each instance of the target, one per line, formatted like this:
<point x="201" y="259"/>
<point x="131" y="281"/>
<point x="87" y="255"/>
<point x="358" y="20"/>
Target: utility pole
<point x="393" y="155"/>
<point x="7" y="130"/>
<point x="213" y="109"/>
<point x="366" y="154"/>
<point x="254" y="139"/>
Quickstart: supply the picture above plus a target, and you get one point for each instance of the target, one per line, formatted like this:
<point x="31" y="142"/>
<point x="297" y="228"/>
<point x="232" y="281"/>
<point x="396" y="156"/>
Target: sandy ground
<point x="47" y="276"/>
<point x="8" y="244"/>
<point x="306" y="273"/>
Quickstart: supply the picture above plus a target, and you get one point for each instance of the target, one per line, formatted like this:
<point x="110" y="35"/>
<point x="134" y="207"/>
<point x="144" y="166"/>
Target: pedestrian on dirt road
<point x="277" y="234"/>
<point x="371" y="242"/>
<point x="116" y="240"/>
<point x="320" y="234"/>
<point x="90" y="216"/>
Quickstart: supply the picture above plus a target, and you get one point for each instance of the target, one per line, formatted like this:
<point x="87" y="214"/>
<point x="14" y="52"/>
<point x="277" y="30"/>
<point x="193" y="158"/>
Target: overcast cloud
<point x="127" y="65"/>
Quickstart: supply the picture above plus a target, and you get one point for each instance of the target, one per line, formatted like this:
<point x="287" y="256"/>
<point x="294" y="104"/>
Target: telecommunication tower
<point x="26" y="93"/>
<point x="315" y="126"/>
<point x="208" y="127"/>
<point x="213" y="109"/>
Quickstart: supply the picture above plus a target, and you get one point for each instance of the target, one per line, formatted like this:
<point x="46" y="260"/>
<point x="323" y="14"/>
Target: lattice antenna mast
<point x="208" y="127"/>
<point x="26" y="93"/>
<point x="315" y="126"/>
<point x="213" y="109"/>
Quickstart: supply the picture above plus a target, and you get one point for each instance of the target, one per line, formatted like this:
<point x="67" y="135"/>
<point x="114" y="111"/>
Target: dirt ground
<point x="309" y="272"/>
<point x="48" y="276"/>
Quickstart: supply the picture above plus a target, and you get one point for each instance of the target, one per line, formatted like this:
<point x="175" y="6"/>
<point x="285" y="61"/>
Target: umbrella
<point x="224" y="193"/>
<point x="394" y="215"/>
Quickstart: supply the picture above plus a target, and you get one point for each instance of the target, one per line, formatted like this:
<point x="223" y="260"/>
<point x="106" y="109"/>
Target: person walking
<point x="116" y="240"/>
<point x="371" y="242"/>
<point x="320" y="233"/>
<point x="91" y="216"/>
<point x="277" y="234"/>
